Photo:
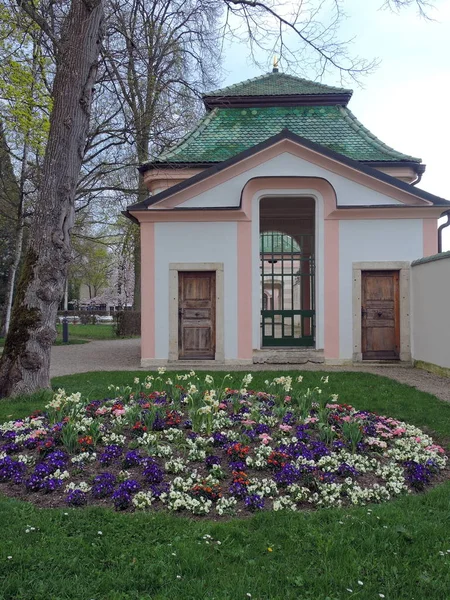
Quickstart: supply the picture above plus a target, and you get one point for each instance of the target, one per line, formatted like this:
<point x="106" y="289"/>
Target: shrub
<point x="128" y="323"/>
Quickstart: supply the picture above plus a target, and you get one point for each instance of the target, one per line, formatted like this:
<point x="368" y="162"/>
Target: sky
<point x="405" y="102"/>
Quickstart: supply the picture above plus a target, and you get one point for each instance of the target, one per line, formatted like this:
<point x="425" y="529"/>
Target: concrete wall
<point x="430" y="286"/>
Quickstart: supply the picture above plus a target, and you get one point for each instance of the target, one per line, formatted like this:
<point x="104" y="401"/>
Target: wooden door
<point x="197" y="315"/>
<point x="380" y="315"/>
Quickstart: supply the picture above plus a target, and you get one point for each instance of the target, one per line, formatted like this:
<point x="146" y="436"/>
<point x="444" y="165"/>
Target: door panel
<point x="197" y="315"/>
<point x="380" y="316"/>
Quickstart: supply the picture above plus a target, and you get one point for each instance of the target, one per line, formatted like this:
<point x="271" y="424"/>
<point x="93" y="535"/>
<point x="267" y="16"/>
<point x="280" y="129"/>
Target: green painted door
<point x="287" y="289"/>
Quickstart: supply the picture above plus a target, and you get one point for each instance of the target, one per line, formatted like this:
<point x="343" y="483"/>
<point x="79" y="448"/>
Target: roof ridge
<point x="353" y="121"/>
<point x="234" y="86"/>
<point x="192" y="134"/>
<point x="325" y="85"/>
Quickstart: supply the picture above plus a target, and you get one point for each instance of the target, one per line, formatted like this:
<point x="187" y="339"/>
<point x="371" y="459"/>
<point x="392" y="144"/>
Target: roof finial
<point x="275" y="65"/>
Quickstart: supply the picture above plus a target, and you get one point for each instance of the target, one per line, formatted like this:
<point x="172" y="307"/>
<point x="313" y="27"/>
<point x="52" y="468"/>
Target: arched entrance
<point x="287" y="249"/>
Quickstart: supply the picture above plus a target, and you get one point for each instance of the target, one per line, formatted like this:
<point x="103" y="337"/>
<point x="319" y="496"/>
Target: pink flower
<point x="101" y="411"/>
<point x="248" y="422"/>
<point x="346" y="419"/>
<point x="37" y="432"/>
<point x="285" y="427"/>
<point x="418" y="439"/>
<point x="287" y="398"/>
<point x="398" y="431"/>
<point x="223" y="406"/>
<point x="311" y="420"/>
<point x="435" y="448"/>
<point x="118" y="412"/>
<point x="265" y="438"/>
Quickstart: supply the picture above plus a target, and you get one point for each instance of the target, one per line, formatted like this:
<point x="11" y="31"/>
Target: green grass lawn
<point x="81" y="334"/>
<point x="89" y="332"/>
<point x="397" y="550"/>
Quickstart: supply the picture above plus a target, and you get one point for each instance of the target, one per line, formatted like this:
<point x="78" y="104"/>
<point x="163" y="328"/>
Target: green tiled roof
<point x="277" y="84"/>
<point x="225" y="132"/>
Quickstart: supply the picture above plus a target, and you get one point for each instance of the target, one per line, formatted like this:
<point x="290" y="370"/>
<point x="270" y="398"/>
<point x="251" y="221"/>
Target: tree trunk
<point x="12" y="279"/>
<point x="11" y="200"/>
<point x="18" y="241"/>
<point x="25" y="364"/>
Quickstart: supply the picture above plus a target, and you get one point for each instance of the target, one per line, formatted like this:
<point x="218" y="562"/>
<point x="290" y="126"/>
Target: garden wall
<point x="430" y="289"/>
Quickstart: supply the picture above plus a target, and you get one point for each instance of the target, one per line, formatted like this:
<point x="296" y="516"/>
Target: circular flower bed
<point x="190" y="445"/>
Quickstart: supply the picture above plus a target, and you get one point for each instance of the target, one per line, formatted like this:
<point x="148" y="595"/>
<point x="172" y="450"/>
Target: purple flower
<point x="289" y="418"/>
<point x="254" y="502"/>
<point x="33" y="484"/>
<point x="238" y="489"/>
<point x="152" y="472"/>
<point x="219" y="439"/>
<point x="419" y="475"/>
<point x="287" y="475"/>
<point x="131" y="486"/>
<point x="319" y="449"/>
<point x="212" y="460"/>
<point x="302" y="433"/>
<point x="50" y="485"/>
<point x="11" y="448"/>
<point x="103" y="485"/>
<point x="158" y="489"/>
<point x="132" y="459"/>
<point x="76" y="498"/>
<point x="121" y="498"/>
<point x="326" y="477"/>
<point x="11" y="469"/>
<point x="237" y="465"/>
<point x="345" y="470"/>
<point x="159" y="423"/>
<point x="110" y="454"/>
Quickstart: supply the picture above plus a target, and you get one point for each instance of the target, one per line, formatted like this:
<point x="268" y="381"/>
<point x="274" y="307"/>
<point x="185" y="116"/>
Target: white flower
<point x="136" y="380"/>
<point x="100" y="532"/>
<point x="161" y="370"/>
<point x="360" y="582"/>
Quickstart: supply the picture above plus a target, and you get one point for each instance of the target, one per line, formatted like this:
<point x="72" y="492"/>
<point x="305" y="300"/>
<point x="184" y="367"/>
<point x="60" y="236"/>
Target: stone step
<point x="286" y="356"/>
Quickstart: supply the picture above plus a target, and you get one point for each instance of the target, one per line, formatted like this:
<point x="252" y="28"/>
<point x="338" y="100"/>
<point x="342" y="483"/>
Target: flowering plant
<point x="186" y="444"/>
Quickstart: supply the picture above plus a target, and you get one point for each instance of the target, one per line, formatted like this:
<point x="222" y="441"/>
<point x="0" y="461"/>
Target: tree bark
<point x="11" y="200"/>
<point x="25" y="364"/>
<point x="12" y="279"/>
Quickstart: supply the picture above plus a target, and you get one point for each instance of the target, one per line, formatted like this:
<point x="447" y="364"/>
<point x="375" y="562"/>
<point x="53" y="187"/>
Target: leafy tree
<point x="24" y="366"/>
<point x="72" y="33"/>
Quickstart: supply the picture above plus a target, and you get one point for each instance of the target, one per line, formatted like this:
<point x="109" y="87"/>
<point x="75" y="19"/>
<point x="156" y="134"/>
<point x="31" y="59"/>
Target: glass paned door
<point x="287" y="289"/>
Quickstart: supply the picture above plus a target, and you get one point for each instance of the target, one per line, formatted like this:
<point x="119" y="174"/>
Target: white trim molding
<point x="404" y="283"/>
<point x="174" y="269"/>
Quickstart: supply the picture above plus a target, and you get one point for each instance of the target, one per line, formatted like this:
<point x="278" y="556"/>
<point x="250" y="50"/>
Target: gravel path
<point x="124" y="355"/>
